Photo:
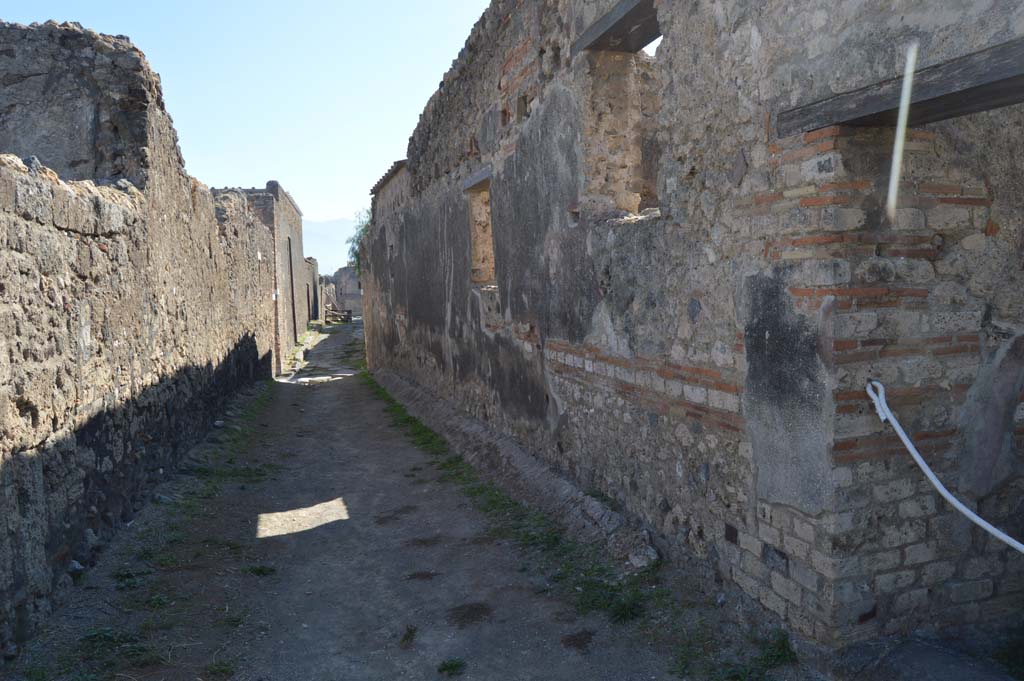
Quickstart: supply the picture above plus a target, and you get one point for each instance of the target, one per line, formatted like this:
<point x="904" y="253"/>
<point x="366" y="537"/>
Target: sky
<point x="320" y="95"/>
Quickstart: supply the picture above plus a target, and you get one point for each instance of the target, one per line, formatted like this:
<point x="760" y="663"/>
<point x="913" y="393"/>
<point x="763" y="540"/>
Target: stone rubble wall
<point x="133" y="302"/>
<point x="348" y="291"/>
<point x="703" y="363"/>
<point x="330" y="292"/>
<point x="101" y="99"/>
<point x="291" y="285"/>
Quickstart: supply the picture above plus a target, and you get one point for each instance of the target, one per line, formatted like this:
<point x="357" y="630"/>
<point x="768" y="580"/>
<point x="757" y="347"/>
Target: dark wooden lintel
<point x="980" y="81"/>
<point x="628" y="27"/>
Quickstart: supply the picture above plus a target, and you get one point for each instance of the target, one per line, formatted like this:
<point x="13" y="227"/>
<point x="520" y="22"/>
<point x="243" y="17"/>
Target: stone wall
<point x="311" y="279"/>
<point x="279" y="212"/>
<point x="348" y="290"/>
<point x="108" y="117"/>
<point x="685" y="307"/>
<point x="329" y="292"/>
<point x="133" y="301"/>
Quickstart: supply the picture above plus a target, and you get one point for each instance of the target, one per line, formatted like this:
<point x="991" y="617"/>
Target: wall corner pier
<point x="133" y="301"/>
<point x="686" y="307"/>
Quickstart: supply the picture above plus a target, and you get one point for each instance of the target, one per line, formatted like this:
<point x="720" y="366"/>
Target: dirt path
<point x="311" y="540"/>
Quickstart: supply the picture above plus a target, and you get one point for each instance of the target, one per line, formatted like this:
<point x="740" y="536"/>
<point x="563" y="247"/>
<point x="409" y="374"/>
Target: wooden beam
<point x="629" y="27"/>
<point x="980" y="81"/>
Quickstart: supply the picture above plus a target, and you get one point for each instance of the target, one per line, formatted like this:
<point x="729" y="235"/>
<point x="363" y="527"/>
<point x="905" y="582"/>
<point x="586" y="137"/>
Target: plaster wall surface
<point x="686" y="307"/>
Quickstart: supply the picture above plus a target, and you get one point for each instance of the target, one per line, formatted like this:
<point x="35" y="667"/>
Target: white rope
<point x="876" y="391"/>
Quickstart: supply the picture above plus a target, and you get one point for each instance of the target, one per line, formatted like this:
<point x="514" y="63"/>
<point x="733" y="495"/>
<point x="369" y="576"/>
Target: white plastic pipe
<point x="876" y="391"/>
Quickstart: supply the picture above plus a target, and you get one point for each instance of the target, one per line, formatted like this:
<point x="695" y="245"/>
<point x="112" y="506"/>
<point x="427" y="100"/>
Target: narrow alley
<point x="309" y="539"/>
<point x="671" y="341"/>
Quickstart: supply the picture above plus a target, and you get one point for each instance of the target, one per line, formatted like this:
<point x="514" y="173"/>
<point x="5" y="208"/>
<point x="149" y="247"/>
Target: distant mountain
<point x="325" y="241"/>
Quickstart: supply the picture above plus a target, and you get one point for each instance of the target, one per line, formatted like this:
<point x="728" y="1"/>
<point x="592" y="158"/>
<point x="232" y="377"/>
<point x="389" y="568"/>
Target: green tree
<point x="362" y="224"/>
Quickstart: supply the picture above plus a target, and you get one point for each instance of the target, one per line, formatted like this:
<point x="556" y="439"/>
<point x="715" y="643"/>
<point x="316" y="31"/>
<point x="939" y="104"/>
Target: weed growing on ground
<point x="234" y="441"/>
<point x="453" y="666"/>
<point x="355" y="354"/>
<point x="223" y="669"/>
<point x="408" y="637"/>
<point x="157" y="602"/>
<point x="774" y="652"/>
<point x="158" y="621"/>
<point x="233" y="621"/>
<point x="129" y="579"/>
<point x="110" y="651"/>
<point x="259" y="570"/>
<point x="230" y="473"/>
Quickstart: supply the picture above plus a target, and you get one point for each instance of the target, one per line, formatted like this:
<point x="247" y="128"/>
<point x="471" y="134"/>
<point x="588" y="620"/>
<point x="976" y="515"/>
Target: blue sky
<point x="320" y="95"/>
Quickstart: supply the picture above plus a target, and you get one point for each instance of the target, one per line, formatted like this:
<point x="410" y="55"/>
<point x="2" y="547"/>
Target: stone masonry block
<point x="851" y="591"/>
<point x="804" y="530"/>
<point x="835" y="567"/>
<point x="804" y="576"/>
<point x="892" y="582"/>
<point x="881" y="561"/>
<point x="772" y="601"/>
<point x="786" y="588"/>
<point x="936" y="573"/>
<point x="962" y="592"/>
<point x="893" y="491"/>
<point x="749" y="542"/>
<point x="8" y="188"/>
<point x="918" y="507"/>
<point x="983" y="566"/>
<point x="723" y="400"/>
<point x="769" y="534"/>
<point x="919" y="553"/>
<point x="34" y="199"/>
<point x="696" y="394"/>
<point x="905" y="532"/>
<point x="843" y="477"/>
<point x="746" y="582"/>
<point x="843" y="219"/>
<point x="796" y="547"/>
<point x="911" y="600"/>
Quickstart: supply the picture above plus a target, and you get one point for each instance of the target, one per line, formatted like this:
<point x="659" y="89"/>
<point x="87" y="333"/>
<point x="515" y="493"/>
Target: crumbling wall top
<point x="102" y="102"/>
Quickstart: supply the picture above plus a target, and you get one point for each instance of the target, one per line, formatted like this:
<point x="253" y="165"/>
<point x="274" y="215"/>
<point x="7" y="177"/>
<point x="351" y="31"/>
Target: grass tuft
<point x="453" y="666"/>
<point x="260" y="570"/>
<point x="114" y="649"/>
<point x="223" y="669"/>
<point x="407" y="637"/>
<point x="776" y="651"/>
<point x="129" y="579"/>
